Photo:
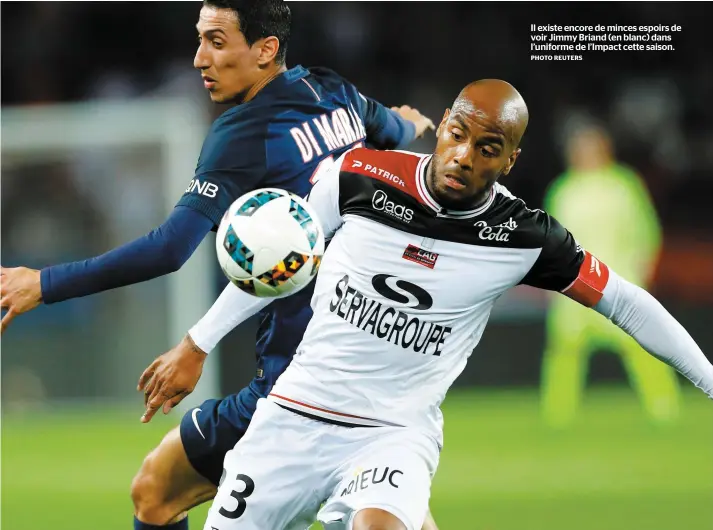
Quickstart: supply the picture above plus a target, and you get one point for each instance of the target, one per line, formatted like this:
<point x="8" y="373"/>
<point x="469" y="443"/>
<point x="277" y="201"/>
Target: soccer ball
<point x="270" y="243"/>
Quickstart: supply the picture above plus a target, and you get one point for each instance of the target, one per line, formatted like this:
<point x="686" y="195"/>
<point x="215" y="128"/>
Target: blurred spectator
<point x="607" y="207"/>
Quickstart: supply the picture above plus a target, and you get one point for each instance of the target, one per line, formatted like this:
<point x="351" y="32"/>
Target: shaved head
<point x="478" y="142"/>
<point x="498" y="100"/>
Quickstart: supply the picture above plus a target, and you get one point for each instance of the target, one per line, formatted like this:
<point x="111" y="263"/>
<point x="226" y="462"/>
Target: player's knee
<point x="149" y="493"/>
<point x="145" y="486"/>
<point x="376" y="519"/>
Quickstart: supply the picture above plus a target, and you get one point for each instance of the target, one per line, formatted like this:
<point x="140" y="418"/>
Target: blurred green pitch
<point x="500" y="468"/>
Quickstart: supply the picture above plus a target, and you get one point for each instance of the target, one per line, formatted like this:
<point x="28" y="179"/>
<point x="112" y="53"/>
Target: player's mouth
<point x="208" y="82"/>
<point x="454" y="182"/>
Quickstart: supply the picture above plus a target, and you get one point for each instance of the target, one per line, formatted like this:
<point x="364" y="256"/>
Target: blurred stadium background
<point x="102" y="119"/>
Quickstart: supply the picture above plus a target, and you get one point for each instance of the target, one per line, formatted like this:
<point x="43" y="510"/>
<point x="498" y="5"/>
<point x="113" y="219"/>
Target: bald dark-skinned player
<point x="402" y="297"/>
<point x="498" y="114"/>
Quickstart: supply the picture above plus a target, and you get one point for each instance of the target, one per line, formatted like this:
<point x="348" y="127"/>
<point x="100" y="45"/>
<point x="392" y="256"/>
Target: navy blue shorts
<point x="212" y="429"/>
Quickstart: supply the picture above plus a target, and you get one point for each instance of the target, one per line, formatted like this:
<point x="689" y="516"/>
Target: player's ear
<point x="268" y="47"/>
<point x="443" y="121"/>
<point x="511" y="161"/>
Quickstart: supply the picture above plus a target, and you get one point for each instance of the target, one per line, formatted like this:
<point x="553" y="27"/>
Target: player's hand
<point x="171" y="377"/>
<point x="20" y="291"/>
<point x="419" y="120"/>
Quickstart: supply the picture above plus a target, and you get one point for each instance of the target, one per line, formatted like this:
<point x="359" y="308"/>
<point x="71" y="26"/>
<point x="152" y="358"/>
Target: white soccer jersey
<point x="405" y="289"/>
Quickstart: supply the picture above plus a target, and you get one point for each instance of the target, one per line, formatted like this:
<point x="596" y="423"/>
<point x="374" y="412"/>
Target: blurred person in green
<point x="609" y="208"/>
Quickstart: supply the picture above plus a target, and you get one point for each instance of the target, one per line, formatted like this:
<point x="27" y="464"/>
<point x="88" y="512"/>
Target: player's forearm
<point x="401" y="130"/>
<point x="232" y="308"/>
<point x="386" y="129"/>
<point x="162" y="251"/>
<point x="639" y="314"/>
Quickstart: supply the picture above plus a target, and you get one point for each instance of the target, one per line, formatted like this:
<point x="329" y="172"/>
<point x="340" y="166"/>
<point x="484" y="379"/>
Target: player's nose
<point x="464" y="156"/>
<point x="201" y="59"/>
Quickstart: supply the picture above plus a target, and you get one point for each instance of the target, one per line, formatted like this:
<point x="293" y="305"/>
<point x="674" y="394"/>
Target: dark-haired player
<point x="285" y="124"/>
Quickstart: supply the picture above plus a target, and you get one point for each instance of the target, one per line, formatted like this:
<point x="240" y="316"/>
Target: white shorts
<point x="286" y="466"/>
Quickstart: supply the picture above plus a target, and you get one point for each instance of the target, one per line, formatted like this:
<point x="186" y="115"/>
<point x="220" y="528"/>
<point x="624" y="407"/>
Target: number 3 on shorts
<point x="240" y="496"/>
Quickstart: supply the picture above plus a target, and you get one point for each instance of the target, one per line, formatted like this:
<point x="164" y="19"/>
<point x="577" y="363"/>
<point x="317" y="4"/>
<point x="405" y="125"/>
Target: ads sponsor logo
<point x="388" y="323"/>
<point x="372" y="477"/>
<point x="381" y="203"/>
<point x="500" y="232"/>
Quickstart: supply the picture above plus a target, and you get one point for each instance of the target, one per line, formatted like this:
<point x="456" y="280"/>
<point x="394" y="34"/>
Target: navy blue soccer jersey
<point x="278" y="139"/>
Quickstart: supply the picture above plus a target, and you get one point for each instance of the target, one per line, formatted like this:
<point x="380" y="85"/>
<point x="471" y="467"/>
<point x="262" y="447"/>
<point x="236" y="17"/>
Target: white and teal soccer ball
<point x="270" y="243"/>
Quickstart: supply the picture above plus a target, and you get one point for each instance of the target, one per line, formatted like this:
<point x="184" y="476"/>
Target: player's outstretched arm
<point x="642" y="316"/>
<point x="174" y="375"/>
<point x="566" y="267"/>
<point x="420" y="123"/>
<point x="393" y="128"/>
<point x="161" y="251"/>
<point x="234" y="306"/>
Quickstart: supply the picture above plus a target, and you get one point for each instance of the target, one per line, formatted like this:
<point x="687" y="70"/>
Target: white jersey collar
<point x="429" y="201"/>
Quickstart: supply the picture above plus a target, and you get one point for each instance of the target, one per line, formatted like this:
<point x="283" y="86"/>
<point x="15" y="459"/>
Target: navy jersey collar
<point x="284" y="79"/>
<point x="293" y="74"/>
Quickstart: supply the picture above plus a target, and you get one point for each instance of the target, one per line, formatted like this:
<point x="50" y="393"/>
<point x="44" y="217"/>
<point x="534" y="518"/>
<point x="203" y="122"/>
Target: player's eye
<point x="218" y="44"/>
<point x="488" y="152"/>
<point x="457" y="134"/>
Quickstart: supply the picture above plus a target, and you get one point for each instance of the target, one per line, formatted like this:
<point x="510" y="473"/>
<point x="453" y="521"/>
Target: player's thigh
<point x="167" y="478"/>
<point x="211" y="429"/>
<point x="272" y="479"/>
<point x="392" y="473"/>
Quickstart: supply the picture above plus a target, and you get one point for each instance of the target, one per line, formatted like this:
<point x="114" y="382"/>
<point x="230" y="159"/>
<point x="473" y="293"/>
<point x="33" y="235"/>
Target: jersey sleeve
<point x="232" y="308"/>
<point x="560" y="259"/>
<point x="564" y="266"/>
<point x="324" y="196"/>
<point x="385" y="129"/>
<point x="232" y="162"/>
<point x="162" y="251"/>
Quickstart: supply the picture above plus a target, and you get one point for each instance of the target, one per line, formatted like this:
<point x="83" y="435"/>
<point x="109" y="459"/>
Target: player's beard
<point x="467" y="202"/>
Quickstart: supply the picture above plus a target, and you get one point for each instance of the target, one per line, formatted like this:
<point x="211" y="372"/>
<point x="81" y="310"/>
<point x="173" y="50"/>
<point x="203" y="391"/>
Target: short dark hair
<point x="259" y="19"/>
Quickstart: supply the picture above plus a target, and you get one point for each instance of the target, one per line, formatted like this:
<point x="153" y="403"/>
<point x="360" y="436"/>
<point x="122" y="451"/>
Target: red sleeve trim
<point x="588" y="286"/>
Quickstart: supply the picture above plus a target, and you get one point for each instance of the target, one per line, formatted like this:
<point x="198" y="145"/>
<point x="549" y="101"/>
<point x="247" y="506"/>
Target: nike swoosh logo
<point x="194" y="415"/>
